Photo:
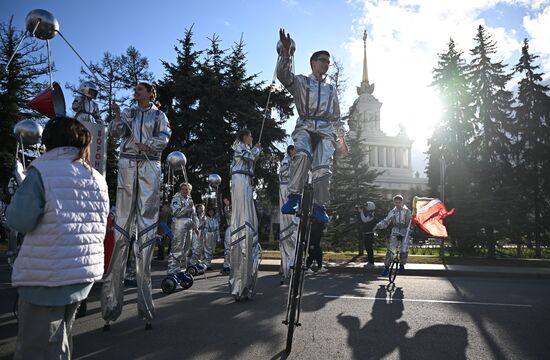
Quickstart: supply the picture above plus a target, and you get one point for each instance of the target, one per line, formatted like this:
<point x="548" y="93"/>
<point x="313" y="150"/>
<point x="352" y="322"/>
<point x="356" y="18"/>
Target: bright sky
<point x="405" y="37"/>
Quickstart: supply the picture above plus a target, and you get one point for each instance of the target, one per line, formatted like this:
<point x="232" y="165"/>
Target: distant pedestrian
<point x="367" y="222"/>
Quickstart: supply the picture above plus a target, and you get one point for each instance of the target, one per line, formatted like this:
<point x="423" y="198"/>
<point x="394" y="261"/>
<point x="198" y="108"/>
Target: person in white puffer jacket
<point x="62" y="206"/>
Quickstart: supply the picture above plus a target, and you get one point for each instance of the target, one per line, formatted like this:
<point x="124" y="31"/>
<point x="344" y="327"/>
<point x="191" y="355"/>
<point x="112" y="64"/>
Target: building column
<point x="409" y="150"/>
<point x="382" y="150"/>
<point x="392" y="157"/>
<point x="374" y="156"/>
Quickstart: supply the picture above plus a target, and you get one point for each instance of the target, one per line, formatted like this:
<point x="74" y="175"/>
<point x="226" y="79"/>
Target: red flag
<point x="429" y="213"/>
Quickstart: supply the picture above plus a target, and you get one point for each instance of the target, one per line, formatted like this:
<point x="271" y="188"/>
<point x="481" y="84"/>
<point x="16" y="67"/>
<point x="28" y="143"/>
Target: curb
<point x="476" y="271"/>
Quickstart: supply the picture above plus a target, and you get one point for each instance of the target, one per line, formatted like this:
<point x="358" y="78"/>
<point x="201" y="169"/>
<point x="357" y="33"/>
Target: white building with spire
<point x="390" y="154"/>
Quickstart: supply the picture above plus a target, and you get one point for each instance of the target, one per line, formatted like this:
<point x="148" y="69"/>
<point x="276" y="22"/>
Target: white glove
<point x="19" y="172"/>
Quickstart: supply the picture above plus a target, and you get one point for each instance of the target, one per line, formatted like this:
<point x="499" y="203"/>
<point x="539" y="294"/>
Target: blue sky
<point x="405" y="37"/>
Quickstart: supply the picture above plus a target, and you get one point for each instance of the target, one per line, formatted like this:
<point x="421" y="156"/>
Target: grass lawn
<point x="379" y="255"/>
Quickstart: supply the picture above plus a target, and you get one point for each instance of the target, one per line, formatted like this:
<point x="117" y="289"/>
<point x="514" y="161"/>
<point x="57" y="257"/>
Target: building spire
<point x="365" y="68"/>
<point x="365" y="87"/>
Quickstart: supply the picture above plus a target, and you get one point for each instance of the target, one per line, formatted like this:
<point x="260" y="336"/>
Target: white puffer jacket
<point x="66" y="247"/>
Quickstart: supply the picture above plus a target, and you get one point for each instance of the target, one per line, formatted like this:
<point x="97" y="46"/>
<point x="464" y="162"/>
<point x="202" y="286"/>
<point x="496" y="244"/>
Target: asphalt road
<point x="344" y="316"/>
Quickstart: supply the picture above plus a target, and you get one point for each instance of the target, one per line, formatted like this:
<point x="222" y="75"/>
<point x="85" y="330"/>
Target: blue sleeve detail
<point x="27" y="206"/>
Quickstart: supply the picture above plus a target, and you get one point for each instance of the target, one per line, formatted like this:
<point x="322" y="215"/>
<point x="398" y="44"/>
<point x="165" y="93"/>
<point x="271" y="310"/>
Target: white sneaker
<point x="369" y="266"/>
<point x="309" y="271"/>
<point x="322" y="270"/>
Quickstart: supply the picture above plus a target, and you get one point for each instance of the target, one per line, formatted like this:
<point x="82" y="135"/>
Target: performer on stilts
<point x="288" y="223"/>
<point x="84" y="106"/>
<point x="144" y="132"/>
<point x="245" y="247"/>
<point x="318" y="123"/>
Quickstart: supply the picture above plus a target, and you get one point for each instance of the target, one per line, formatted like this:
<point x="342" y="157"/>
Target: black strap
<point x="307" y="98"/>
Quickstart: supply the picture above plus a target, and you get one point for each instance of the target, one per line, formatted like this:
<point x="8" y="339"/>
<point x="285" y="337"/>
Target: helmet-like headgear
<point x="88" y="89"/>
<point x="370" y="206"/>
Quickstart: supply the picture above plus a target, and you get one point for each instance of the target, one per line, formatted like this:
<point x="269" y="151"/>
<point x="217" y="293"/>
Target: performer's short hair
<point x="316" y="54"/>
<point x="199" y="206"/>
<point x="398" y="197"/>
<point x="290" y="147"/>
<point x="242" y="133"/>
<point x="187" y="184"/>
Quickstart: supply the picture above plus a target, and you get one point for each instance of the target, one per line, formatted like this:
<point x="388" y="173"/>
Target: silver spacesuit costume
<point x="245" y="248"/>
<point x="84" y="106"/>
<point x="197" y="242"/>
<point x="288" y="223"/>
<point x="86" y="110"/>
<point x="138" y="200"/>
<point x="183" y="212"/>
<point x="212" y="235"/>
<point x="227" y="238"/>
<point x="319" y="119"/>
<point x="400" y="219"/>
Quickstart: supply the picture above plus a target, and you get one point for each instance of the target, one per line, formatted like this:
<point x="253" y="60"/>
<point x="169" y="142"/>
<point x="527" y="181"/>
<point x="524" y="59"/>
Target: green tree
<point x="108" y="77"/>
<point x="209" y="97"/>
<point x="351" y="186"/>
<point x="490" y="146"/>
<point x="532" y="142"/>
<point x="450" y="140"/>
<point x="134" y="68"/>
<point x="20" y="82"/>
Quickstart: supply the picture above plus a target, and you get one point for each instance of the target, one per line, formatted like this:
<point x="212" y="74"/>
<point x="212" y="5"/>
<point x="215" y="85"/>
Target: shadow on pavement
<point x="495" y="323"/>
<point x="204" y="324"/>
<point x="384" y="333"/>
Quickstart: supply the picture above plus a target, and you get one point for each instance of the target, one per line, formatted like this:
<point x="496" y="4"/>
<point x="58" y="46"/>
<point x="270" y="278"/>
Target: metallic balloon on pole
<point x="176" y="161"/>
<point x="214" y="180"/>
<point x="41" y="24"/>
<point x="28" y="133"/>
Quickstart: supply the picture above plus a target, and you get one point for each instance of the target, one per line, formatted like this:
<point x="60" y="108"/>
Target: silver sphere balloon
<point x="214" y="180"/>
<point x="280" y="47"/>
<point x="29" y="131"/>
<point x="48" y="24"/>
<point x="176" y="160"/>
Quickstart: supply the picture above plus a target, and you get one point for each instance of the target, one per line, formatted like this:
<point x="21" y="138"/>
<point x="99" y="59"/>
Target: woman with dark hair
<point x="245" y="249"/>
<point x="144" y="132"/>
<point x="62" y="206"/>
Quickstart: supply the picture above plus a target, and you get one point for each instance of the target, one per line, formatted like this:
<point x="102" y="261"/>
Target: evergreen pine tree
<point x="210" y="97"/>
<point x="351" y="186"/>
<point x="490" y="147"/>
<point x="449" y="142"/>
<point x="532" y="144"/>
<point x="19" y="83"/>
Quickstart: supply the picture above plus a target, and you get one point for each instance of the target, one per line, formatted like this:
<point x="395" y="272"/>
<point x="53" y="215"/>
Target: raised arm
<point x="118" y="127"/>
<point x="284" y="64"/>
